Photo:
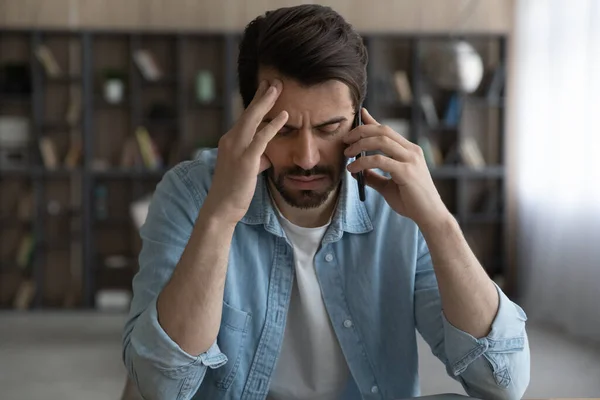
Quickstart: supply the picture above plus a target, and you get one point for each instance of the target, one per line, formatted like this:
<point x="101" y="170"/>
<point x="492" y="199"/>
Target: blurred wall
<point x="223" y="15"/>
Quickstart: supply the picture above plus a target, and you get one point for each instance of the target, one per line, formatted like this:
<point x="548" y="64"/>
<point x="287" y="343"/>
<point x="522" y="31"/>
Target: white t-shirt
<point x="311" y="364"/>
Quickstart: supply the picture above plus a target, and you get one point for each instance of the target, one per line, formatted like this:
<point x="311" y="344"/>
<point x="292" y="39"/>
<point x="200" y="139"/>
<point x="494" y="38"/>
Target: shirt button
<point x="329" y="257"/>
<point x="374" y="389"/>
<point x="348" y="323"/>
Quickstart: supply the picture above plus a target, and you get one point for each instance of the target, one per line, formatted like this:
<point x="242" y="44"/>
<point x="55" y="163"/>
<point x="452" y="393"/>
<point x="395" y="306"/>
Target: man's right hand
<point x="241" y="157"/>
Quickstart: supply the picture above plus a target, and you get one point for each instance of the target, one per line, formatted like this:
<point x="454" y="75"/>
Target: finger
<point x="256" y="111"/>
<point x="379" y="143"/>
<point x="260" y="91"/>
<point x="365" y="131"/>
<point x="375" y="180"/>
<point x="368" y="118"/>
<point x="263" y="137"/>
<point x="395" y="168"/>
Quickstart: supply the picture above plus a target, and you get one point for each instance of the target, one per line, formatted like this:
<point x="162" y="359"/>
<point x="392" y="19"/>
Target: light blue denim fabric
<point x="378" y="286"/>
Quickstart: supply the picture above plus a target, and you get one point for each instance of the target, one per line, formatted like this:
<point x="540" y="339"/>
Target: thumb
<point x="368" y="118"/>
<point x="375" y="180"/>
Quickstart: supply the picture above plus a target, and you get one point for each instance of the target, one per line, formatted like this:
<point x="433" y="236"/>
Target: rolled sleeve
<point x="496" y="366"/>
<point x="159" y="366"/>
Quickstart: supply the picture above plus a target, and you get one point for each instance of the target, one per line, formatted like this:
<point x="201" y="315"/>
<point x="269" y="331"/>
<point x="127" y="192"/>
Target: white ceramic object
<point x="454" y="65"/>
<point x="114" y="90"/>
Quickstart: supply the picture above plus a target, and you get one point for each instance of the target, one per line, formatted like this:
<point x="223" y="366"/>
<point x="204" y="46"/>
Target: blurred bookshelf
<point x="461" y="133"/>
<point x="107" y="113"/>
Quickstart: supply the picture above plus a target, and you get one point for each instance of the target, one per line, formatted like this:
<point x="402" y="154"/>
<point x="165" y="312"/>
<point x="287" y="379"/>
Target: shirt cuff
<point x="506" y="336"/>
<point x="151" y="342"/>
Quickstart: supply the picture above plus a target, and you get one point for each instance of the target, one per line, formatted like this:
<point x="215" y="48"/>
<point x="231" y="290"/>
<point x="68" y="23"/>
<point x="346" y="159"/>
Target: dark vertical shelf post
<point x="88" y="183"/>
<point x="502" y="231"/>
<point x="368" y="102"/>
<point x="38" y="184"/>
<point x="230" y="54"/>
<point x="182" y="96"/>
<point x="136" y="84"/>
<point x="415" y="120"/>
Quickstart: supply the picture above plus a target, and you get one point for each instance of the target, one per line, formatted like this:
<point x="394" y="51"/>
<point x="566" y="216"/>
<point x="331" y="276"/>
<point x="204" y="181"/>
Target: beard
<point x="306" y="199"/>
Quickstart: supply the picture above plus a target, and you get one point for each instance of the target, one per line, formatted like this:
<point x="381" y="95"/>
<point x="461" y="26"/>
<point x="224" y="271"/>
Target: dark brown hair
<point x="309" y="43"/>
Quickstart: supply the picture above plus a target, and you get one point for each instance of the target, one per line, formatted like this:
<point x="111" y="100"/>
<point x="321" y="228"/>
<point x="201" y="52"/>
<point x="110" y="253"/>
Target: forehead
<point x="319" y="101"/>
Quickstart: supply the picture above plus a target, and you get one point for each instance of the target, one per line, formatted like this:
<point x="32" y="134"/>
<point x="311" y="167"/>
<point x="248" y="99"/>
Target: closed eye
<point x="285" y="130"/>
<point x="331" y="128"/>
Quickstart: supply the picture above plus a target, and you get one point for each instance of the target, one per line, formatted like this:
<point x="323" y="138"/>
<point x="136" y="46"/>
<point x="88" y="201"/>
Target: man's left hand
<point x="410" y="191"/>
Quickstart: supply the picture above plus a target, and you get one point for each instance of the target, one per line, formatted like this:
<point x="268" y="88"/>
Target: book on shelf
<point x="429" y="110"/>
<point x="403" y="87"/>
<point x="74" y="109"/>
<point x="48" y="152"/>
<point x="150" y="154"/>
<point x="453" y="110"/>
<point x="496" y="86"/>
<point x="147" y="65"/>
<point x="25" y="251"/>
<point x="48" y="61"/>
<point x="432" y="152"/>
<point x="131" y="155"/>
<point x="74" y="155"/>
<point x="24" y="296"/>
<point x="471" y="154"/>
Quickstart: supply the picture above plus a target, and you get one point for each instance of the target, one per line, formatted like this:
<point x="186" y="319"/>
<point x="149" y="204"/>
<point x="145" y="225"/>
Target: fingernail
<point x="271" y="90"/>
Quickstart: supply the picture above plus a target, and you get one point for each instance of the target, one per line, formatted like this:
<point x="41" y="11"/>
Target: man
<point x="262" y="274"/>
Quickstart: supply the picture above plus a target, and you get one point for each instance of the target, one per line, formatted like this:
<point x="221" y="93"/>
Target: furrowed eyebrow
<point x="331" y="121"/>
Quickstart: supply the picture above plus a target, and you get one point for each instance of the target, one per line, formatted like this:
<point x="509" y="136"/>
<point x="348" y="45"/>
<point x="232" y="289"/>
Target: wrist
<point x="215" y="221"/>
<point x="440" y="223"/>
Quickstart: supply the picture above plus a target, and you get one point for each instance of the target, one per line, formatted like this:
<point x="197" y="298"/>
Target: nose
<point x="305" y="151"/>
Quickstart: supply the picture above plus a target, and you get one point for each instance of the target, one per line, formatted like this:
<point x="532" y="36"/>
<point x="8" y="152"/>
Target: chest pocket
<point x="231" y="338"/>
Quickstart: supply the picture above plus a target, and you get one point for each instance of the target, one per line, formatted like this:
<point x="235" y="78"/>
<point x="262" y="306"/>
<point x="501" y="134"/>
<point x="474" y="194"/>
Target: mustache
<point x="298" y="171"/>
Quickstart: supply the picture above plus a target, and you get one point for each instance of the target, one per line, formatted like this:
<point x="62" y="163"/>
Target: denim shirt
<point x="378" y="286"/>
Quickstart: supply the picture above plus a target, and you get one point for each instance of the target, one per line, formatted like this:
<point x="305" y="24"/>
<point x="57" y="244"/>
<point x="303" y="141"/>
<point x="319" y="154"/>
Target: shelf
<point x="214" y="51"/>
<point x="443" y="128"/>
<point x="195" y="105"/>
<point x="6" y="266"/>
<point x="13" y="222"/>
<point x="15" y="99"/>
<point x="165" y="81"/>
<point x="58" y="172"/>
<point x="61" y="79"/>
<point x="39" y="172"/>
<point x="481" y="101"/>
<point x="129" y="174"/>
<point x="467" y="172"/>
<point x="113" y="222"/>
<point x="58" y="126"/>
<point x="16" y="171"/>
<point x="392" y="104"/>
<point x="100" y="103"/>
<point x="167" y="123"/>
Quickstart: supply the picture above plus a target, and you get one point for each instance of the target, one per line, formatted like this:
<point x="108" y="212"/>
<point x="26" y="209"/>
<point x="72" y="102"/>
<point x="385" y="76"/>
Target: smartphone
<point x="360" y="176"/>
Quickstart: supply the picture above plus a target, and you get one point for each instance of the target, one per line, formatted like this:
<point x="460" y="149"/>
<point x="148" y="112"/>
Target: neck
<point x="306" y="218"/>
